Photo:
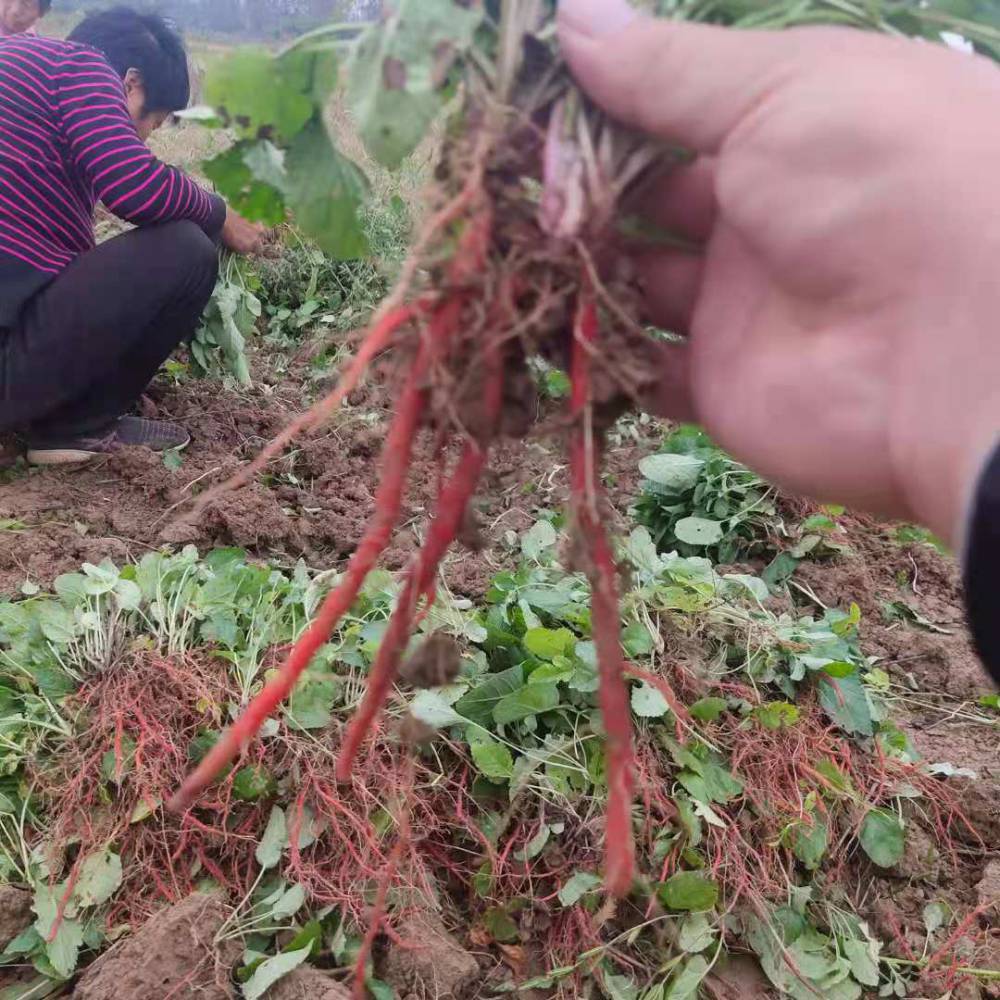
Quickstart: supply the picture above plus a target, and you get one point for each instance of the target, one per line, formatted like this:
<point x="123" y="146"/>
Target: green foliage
<point x="697" y="501"/>
<point x="284" y="157"/>
<point x="400" y="73"/>
<point x="231" y="316"/>
<point x="688" y="891"/>
<point x="883" y="837"/>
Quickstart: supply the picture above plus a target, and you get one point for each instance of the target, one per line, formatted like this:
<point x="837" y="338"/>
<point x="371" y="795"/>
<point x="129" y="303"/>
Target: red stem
<point x="602" y="573"/>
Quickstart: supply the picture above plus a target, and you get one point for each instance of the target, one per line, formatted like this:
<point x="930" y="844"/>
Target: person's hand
<point x="239" y="235"/>
<point x="844" y="320"/>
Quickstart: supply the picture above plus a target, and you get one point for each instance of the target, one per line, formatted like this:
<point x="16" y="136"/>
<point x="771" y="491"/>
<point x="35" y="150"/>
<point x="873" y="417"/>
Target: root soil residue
<point x="313" y="503"/>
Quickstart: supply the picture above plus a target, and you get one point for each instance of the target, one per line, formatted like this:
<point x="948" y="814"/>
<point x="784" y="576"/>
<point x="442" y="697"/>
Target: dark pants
<point x="88" y="344"/>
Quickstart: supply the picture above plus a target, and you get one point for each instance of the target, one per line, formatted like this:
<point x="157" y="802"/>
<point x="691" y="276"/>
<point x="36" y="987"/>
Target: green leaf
<point x="776" y="715"/>
<point x="937" y="914"/>
<point x="325" y="190"/>
<point x="840" y="669"/>
<point x="252" y="783"/>
<point x="539" y="540"/>
<point x="846" y="702"/>
<point x="290" y="903"/>
<point x="648" y="703"/>
<point x="780" y="570"/>
<point x="532" y="699"/>
<point x="708" y="709"/>
<point x="863" y="956"/>
<point x="249" y="86"/>
<point x="883" y="837"/>
<point x="637" y="640"/>
<point x="272" y="970"/>
<point x="274" y="841"/>
<point x="698" y="531"/>
<point x="99" y="879"/>
<point x="547" y="643"/>
<point x="685" y="985"/>
<point x="696" y="934"/>
<point x="500" y="925"/>
<point x="64" y="950"/>
<point x="311" y="704"/>
<point x="479" y="703"/>
<point x="493" y="760"/>
<point x="990" y="701"/>
<point x="678" y="473"/>
<point x="809" y="842"/>
<point x="578" y="886"/>
<point x="398" y="69"/>
<point x="235" y="181"/>
<point x="433" y="708"/>
<point x="688" y="891"/>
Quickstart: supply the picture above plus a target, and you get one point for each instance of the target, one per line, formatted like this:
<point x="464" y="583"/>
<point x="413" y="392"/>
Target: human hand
<point x="842" y="321"/>
<point x="239" y="235"/>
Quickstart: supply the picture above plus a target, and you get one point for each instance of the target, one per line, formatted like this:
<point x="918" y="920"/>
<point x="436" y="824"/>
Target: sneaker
<point x="128" y="432"/>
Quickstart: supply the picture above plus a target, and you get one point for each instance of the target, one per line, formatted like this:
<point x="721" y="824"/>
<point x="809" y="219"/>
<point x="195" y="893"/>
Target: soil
<point x="428" y="962"/>
<point x="15" y="914"/>
<point x="173" y="955"/>
<point x="314" y="504"/>
<point x="307" y="984"/>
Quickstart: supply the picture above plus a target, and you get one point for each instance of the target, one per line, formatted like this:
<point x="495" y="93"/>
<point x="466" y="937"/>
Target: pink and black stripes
<point x="66" y="142"/>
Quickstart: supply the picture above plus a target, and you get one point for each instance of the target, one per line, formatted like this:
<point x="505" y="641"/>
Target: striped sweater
<point x="66" y="142"/>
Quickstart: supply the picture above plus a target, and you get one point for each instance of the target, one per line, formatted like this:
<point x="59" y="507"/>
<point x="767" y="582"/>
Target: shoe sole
<point x="77" y="456"/>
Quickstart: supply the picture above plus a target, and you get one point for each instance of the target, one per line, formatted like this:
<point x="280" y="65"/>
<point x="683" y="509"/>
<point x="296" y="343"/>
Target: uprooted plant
<point x="518" y="257"/>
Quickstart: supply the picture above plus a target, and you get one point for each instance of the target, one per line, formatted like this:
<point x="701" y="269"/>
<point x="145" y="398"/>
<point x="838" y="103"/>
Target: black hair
<point x="147" y="43"/>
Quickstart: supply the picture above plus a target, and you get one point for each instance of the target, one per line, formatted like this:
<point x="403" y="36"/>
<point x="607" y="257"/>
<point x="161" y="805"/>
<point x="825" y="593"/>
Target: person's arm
<point x="110" y="157"/>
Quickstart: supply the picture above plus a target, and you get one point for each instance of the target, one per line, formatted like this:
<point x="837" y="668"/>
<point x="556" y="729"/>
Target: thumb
<point x="689" y="83"/>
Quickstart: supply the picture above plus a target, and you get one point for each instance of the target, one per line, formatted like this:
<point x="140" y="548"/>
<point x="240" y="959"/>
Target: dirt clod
<point x="988" y="889"/>
<point x="436" y="663"/>
<point x="173" y="955"/>
<point x="307" y="984"/>
<point x="430" y="964"/>
<point x="15" y="913"/>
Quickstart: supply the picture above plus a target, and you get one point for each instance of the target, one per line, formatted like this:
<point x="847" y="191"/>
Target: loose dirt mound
<point x="174" y="955"/>
<point x="428" y="962"/>
<point x="307" y="984"/>
<point x="314" y="503"/>
<point x="15" y="914"/>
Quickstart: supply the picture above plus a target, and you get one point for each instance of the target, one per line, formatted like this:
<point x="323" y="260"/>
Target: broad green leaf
<point x="688" y="891"/>
<point x="249" y="86"/>
<point x="648" y="703"/>
<point x="578" y="886"/>
<point x="937" y="914"/>
<point x="809" y="842"/>
<point x="234" y="179"/>
<point x="698" y="531"/>
<point x="883" y="837"/>
<point x="708" y="709"/>
<point x="290" y="903"/>
<point x="696" y="934"/>
<point x="273" y="970"/>
<point x="493" y="760"/>
<point x="500" y="925"/>
<point x="398" y="69"/>
<point x="433" y="708"/>
<point x="677" y="473"/>
<point x="311" y="704"/>
<point x="479" y="703"/>
<point x="776" y="715"/>
<point x="325" y="190"/>
<point x="252" y="783"/>
<point x="845" y="701"/>
<point x="532" y="699"/>
<point x="620" y="988"/>
<point x="64" y="950"/>
<point x="637" y="640"/>
<point x="548" y="643"/>
<point x="274" y="840"/>
<point x="863" y="956"/>
<point x="100" y="877"/>
<point x="685" y="985"/>
<point x="539" y="540"/>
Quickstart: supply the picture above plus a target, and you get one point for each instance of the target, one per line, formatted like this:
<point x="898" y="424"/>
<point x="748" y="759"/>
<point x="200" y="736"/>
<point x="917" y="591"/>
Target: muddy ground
<point x="314" y="503"/>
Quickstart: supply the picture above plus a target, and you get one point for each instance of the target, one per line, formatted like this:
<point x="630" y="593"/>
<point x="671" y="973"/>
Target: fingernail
<point x="596" y="17"/>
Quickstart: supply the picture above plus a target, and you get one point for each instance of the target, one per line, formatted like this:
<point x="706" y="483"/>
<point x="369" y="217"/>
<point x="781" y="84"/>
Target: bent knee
<point x="192" y="246"/>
